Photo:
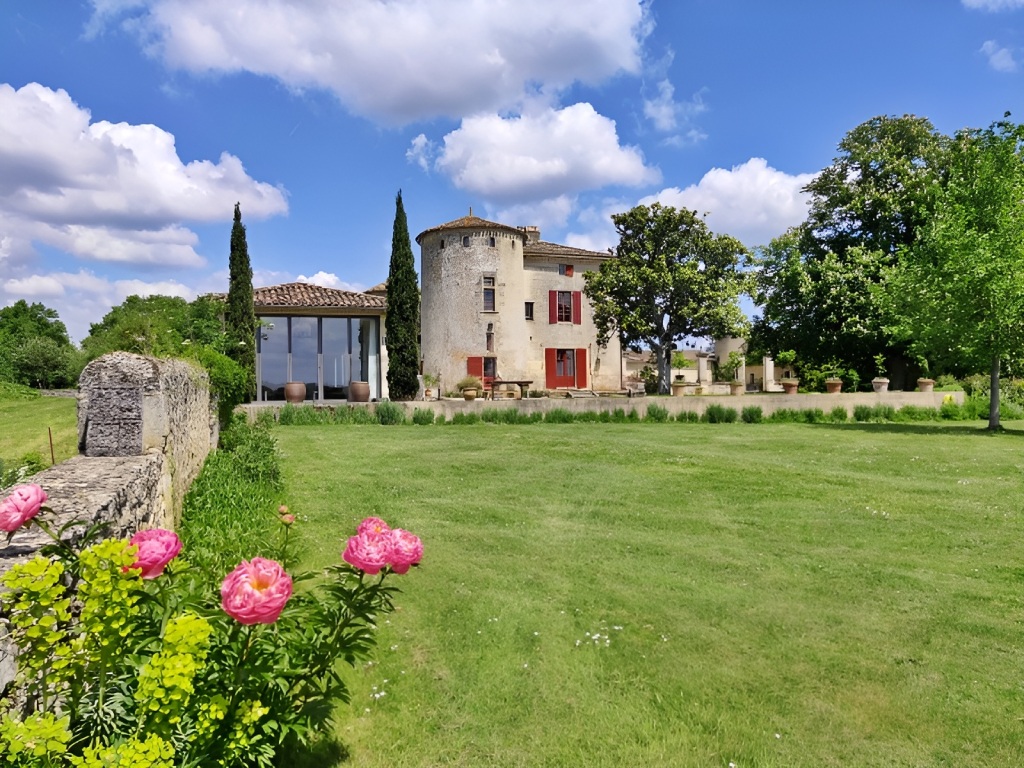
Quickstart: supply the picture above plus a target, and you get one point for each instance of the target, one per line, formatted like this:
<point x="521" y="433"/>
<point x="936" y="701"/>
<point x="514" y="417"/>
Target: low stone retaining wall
<point x="145" y="428"/>
<point x="768" y="402"/>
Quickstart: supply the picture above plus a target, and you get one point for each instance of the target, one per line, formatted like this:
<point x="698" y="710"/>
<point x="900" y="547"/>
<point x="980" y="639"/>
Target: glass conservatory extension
<point x="326" y="353"/>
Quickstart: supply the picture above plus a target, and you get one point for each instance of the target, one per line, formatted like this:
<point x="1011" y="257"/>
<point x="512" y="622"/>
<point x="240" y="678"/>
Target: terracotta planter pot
<point x="926" y="385"/>
<point x="295" y="391"/>
<point x="469" y="394"/>
<point x="834" y="387"/>
<point x="359" y="392"/>
<point x="790" y="387"/>
<point x="880" y="385"/>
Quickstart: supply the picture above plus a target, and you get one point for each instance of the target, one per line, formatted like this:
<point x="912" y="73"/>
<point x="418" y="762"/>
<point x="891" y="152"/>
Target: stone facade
<point x="487" y="290"/>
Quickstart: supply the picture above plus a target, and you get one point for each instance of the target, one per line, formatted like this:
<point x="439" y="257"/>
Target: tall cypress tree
<point x="240" y="319"/>
<point x="402" y="322"/>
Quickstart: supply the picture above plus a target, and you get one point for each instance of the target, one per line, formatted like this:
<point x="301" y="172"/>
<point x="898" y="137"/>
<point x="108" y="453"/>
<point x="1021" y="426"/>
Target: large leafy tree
<point x="815" y="283"/>
<point x="671" y="278"/>
<point x="240" y="315"/>
<point x="35" y="348"/>
<point x="957" y="293"/>
<point x="402" y="322"/>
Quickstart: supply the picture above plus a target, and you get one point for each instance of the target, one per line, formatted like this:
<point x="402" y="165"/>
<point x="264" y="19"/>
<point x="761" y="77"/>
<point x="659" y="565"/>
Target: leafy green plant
<point x="688" y="417"/>
<point x="656" y="413"/>
<point x="156" y="667"/>
<point x="469" y="382"/>
<point x="839" y="415"/>
<point x="752" y="414"/>
<point x="465" y="418"/>
<point x="422" y="416"/>
<point x="390" y="414"/>
<point x="719" y="414"/>
<point x="558" y="416"/>
<point x="814" y="415"/>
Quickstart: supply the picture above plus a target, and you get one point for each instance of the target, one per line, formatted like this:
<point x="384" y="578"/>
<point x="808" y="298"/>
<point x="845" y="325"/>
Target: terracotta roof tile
<point x="542" y="248"/>
<point x="309" y="295"/>
<point x="470" y="222"/>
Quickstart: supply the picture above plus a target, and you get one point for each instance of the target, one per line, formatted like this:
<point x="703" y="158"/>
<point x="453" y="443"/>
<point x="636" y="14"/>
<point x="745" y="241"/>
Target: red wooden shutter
<point x="552" y="307"/>
<point x="577" y="308"/>
<point x="568" y="270"/>
<point x="581" y="369"/>
<point x="475" y="366"/>
<point x="550" y="366"/>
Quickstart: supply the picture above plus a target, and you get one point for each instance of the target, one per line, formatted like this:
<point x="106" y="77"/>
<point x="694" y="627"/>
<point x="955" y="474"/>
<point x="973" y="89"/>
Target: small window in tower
<point x="489" y="339"/>
<point x="442" y="243"/>
<point x="492" y="242"/>
<point x="529" y="310"/>
<point x="488" y="293"/>
<point x="465" y="241"/>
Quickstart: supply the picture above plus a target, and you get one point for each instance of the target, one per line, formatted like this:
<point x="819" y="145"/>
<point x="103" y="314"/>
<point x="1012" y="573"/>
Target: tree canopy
<point x="402" y="321"/>
<point x="240" y="316"/>
<point x="816" y="282"/>
<point x="957" y="292"/>
<point x="671" y="278"/>
<point x="35" y="348"/>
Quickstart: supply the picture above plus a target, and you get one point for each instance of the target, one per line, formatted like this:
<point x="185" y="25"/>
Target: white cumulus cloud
<point x="753" y="202"/>
<point x="540" y="155"/>
<point x="396" y="60"/>
<point x="1000" y="59"/>
<point x="328" y="280"/>
<point x="108" y="191"/>
<point x="994" y="5"/>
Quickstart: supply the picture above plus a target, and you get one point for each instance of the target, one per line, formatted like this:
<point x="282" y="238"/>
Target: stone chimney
<point x="532" y="234"/>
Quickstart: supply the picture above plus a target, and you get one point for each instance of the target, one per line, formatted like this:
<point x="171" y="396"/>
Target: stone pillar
<point x="129" y="405"/>
<point x="769" y="371"/>
<point x="702" y="368"/>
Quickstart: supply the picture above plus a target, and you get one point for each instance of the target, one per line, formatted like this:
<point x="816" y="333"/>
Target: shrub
<point x="465" y="418"/>
<point x="229" y="382"/>
<point x="423" y="416"/>
<point x="948" y="383"/>
<point x="786" y="416"/>
<point x="440" y="419"/>
<point x="632" y="415"/>
<point x="719" y="414"/>
<point x="838" y="415"/>
<point x="751" y="414"/>
<point x="604" y="416"/>
<point x="688" y="417"/>
<point x="950" y="410"/>
<point x="591" y="416"/>
<point x="862" y="413"/>
<point x="916" y="413"/>
<point x="619" y="416"/>
<point x="558" y="416"/>
<point x="658" y="413"/>
<point x="883" y="412"/>
<point x="813" y="415"/>
<point x="390" y="414"/>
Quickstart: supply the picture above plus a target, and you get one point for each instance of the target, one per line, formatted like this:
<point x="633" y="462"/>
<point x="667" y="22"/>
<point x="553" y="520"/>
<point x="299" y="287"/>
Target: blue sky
<point x="129" y="128"/>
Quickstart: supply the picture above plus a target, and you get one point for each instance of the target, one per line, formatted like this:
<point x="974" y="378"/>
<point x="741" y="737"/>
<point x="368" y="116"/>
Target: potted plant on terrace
<point x="833" y="382"/>
<point x="430" y="381"/>
<point x="787" y="358"/>
<point x="727" y="372"/>
<point x="924" y="383"/>
<point x="881" y="381"/>
<point x="470" y="386"/>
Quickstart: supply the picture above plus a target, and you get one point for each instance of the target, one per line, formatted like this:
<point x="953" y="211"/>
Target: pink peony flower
<point x="373" y="525"/>
<point x="288" y="518"/>
<point x="406" y="550"/>
<point x="368" y="551"/>
<point x="282" y="510"/>
<point x="256" y="591"/>
<point x="23" y="503"/>
<point x="157" y="547"/>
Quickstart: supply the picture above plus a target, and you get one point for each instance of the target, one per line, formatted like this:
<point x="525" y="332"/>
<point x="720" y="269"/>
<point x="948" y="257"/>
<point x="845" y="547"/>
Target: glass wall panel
<point x="336" y="368"/>
<point x="304" y="354"/>
<point x="273" y="357"/>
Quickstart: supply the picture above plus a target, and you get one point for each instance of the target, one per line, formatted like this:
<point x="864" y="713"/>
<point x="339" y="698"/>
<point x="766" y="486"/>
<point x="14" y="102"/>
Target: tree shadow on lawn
<point x="910" y="428"/>
<point x="324" y="752"/>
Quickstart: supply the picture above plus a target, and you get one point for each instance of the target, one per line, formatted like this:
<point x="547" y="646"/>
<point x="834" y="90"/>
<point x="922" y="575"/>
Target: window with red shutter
<point x="552" y="307"/>
<point x="581" y="369"/>
<point x="475" y="366"/>
<point x="577" y="308"/>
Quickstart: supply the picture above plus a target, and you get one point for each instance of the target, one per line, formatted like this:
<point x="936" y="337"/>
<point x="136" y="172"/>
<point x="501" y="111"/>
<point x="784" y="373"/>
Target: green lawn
<point x="763" y="595"/>
<point x="24" y="423"/>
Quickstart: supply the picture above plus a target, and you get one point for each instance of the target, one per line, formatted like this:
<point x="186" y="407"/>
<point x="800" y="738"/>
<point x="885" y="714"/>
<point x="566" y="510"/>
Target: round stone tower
<point x="472" y="297"/>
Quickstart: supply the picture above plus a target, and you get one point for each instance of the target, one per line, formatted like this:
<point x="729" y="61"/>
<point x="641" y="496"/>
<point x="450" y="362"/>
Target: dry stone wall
<point x="145" y="428"/>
